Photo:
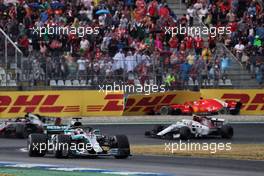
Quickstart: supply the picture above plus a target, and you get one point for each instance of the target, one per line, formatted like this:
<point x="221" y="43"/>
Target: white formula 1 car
<point x="77" y="140"/>
<point x="199" y="126"/>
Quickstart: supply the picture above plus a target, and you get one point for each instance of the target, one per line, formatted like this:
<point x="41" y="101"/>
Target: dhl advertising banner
<point x="60" y="103"/>
<point x="252" y="100"/>
<point x="69" y="103"/>
<point x="143" y="104"/>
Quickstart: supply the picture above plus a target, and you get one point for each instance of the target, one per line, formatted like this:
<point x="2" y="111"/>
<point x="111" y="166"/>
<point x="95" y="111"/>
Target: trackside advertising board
<point x="69" y="103"/>
<point x="252" y="100"/>
<point x="143" y="104"/>
<point x="60" y="103"/>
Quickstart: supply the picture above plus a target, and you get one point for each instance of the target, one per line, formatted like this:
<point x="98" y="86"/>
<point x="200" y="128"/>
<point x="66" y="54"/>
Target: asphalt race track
<point x="10" y="151"/>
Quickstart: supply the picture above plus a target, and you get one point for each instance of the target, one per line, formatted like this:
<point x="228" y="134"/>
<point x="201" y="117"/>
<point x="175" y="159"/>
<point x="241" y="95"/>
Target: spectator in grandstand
<point x="72" y="67"/>
<point x="245" y="19"/>
<point x="130" y="39"/>
<point x="23" y="42"/>
<point x="252" y="10"/>
<point x="239" y="48"/>
<point x="169" y="81"/>
<point x="225" y="63"/>
<point x="158" y="43"/>
<point x="191" y="58"/>
<point x="217" y="75"/>
<point x="202" y="13"/>
<point x="245" y="60"/>
<point x="259" y="73"/>
<point x="130" y="62"/>
<point x="198" y="40"/>
<point x="212" y="43"/>
<point x="189" y="42"/>
<point x="173" y="43"/>
<point x="206" y="54"/>
<point x="203" y="77"/>
<point x="84" y="45"/>
<point x="119" y="60"/>
<point x="257" y="42"/>
<point x="185" y="69"/>
<point x="81" y="68"/>
<point x="190" y="14"/>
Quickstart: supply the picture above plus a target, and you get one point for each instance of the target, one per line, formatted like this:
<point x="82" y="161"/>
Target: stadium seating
<point x="12" y="83"/>
<point x="60" y="83"/>
<point x="75" y="83"/>
<point x="53" y="83"/>
<point x="68" y="83"/>
<point x="65" y="62"/>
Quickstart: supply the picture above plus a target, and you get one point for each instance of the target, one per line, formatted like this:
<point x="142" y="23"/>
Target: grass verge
<point x="238" y="151"/>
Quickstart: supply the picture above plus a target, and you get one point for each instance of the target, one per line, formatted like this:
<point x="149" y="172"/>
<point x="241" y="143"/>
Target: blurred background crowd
<point x="132" y="46"/>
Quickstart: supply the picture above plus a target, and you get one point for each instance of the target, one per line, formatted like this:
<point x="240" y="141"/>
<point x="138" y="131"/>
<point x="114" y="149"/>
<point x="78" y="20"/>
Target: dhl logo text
<point x="47" y="104"/>
<point x="114" y="103"/>
<point x="148" y="104"/>
<point x="26" y="103"/>
<point x="111" y="103"/>
<point x="250" y="103"/>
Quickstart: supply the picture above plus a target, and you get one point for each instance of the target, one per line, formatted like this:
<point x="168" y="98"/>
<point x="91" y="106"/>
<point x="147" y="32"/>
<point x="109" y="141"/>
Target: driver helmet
<point x="58" y="121"/>
<point x="196" y="118"/>
<point x="72" y="123"/>
<point x="78" y="131"/>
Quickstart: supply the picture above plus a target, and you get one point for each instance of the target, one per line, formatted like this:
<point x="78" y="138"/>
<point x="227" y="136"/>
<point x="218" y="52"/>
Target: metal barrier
<point x="10" y="60"/>
<point x="40" y="76"/>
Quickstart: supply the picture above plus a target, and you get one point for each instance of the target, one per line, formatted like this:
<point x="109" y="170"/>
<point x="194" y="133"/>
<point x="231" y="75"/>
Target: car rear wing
<point x="218" y="122"/>
<point x="217" y="119"/>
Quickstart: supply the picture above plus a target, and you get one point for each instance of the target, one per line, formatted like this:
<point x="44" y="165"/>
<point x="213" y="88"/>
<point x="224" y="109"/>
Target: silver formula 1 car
<point x="76" y="141"/>
<point x="199" y="126"/>
<point x="21" y="127"/>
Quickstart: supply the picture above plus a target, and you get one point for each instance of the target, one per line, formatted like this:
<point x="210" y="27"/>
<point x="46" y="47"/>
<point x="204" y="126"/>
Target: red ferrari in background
<point x="202" y="106"/>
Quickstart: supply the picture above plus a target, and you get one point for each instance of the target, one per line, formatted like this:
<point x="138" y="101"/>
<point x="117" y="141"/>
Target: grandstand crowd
<point x="246" y="21"/>
<point x="131" y="45"/>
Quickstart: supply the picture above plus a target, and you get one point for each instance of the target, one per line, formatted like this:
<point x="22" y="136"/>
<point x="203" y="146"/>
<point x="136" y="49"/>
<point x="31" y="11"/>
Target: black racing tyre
<point x="223" y="111"/>
<point x="147" y="133"/>
<point x="62" y="146"/>
<point x="177" y="112"/>
<point x="227" y="132"/>
<point x="37" y="145"/>
<point x="169" y="136"/>
<point x="122" y="144"/>
<point x="21" y="131"/>
<point x="236" y="111"/>
<point x="165" y="110"/>
<point x="185" y="133"/>
<point x="151" y="112"/>
<point x="157" y="129"/>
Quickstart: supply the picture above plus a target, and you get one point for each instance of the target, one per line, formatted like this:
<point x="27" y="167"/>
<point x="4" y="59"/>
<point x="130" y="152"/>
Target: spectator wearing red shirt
<point x="24" y="44"/>
<point x="173" y="44"/>
<point x="198" y="41"/>
<point x="182" y="47"/>
<point x="153" y="8"/>
<point x="184" y="20"/>
<point x="189" y="42"/>
<point x="225" y="6"/>
<point x="233" y="28"/>
<point x="211" y="43"/>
